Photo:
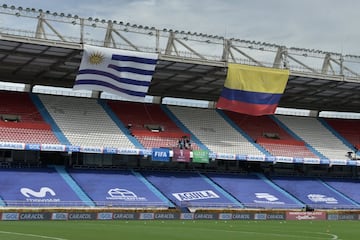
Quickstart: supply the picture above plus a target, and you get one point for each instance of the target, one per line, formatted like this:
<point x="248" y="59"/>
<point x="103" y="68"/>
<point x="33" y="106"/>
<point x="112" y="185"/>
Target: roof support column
<point x="280" y="58"/>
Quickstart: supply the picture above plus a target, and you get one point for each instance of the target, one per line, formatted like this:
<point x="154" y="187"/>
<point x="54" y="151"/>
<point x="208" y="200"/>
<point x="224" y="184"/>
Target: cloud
<point x="320" y="24"/>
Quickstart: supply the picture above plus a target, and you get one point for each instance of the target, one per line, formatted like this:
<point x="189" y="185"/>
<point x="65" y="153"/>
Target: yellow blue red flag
<point x="252" y="90"/>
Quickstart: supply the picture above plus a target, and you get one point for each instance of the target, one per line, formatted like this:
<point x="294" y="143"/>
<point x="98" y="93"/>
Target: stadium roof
<point x="42" y="63"/>
<point x="321" y="81"/>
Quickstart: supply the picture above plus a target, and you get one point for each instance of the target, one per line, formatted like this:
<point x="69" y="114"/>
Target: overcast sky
<point x="329" y="25"/>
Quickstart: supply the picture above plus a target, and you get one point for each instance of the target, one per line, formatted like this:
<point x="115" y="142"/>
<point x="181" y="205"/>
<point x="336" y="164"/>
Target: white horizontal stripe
<point x="108" y="90"/>
<point x="143" y="66"/>
<point x="113" y="82"/>
<point x="133" y="76"/>
<point x="108" y="52"/>
<point x="106" y="62"/>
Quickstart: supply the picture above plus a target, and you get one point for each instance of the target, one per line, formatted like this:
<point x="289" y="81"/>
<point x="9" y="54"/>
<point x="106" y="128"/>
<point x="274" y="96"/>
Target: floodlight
<point x="12" y="7"/>
<point x="103" y="21"/>
<point x="90" y="19"/>
<point x="96" y="20"/>
<point x="20" y="8"/>
<point x="4" y="6"/>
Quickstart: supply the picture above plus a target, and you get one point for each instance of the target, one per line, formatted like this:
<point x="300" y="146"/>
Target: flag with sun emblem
<point x="124" y="73"/>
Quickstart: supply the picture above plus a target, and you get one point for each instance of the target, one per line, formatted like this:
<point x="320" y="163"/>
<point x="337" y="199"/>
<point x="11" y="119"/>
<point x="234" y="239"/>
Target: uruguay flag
<point x="124" y="73"/>
<point x="252" y="90"/>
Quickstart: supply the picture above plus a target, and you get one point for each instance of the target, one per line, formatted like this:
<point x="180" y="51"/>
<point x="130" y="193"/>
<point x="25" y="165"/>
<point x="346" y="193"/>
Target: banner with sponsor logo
<point x="166" y="215"/>
<point x="52" y="147"/>
<point x="195" y="195"/>
<point x="146" y="216"/>
<point x="104" y="216"/>
<point x="10" y="216"/>
<point x="33" y="147"/>
<point x="128" y="151"/>
<point x="125" y="216"/>
<point x="243" y="216"/>
<point x="343" y="216"/>
<point x="35" y="216"/>
<point x="305" y="216"/>
<point x="160" y="154"/>
<point x="205" y="216"/>
<point x="200" y="156"/>
<point x="181" y="155"/>
<point x="12" y="145"/>
<point x="187" y="216"/>
<point x="90" y="149"/>
<point x="82" y="216"/>
<point x="59" y="216"/>
<point x="226" y="156"/>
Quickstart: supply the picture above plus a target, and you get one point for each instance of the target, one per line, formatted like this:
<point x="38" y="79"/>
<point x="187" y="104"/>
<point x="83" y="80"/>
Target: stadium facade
<point x="88" y="139"/>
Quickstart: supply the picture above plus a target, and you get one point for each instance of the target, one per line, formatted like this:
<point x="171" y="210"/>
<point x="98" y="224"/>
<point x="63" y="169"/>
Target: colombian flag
<point x="252" y="90"/>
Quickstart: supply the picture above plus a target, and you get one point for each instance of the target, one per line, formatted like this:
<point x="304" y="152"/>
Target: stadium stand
<point x="348" y="187"/>
<point x="314" y="193"/>
<point x="21" y="121"/>
<point x="84" y="122"/>
<point x="119" y="188"/>
<point x="213" y="131"/>
<point x="66" y="152"/>
<point x="311" y="131"/>
<point x="36" y="187"/>
<point x="255" y="191"/>
<point x="149" y="124"/>
<point x="267" y="133"/>
<point x="347" y="128"/>
<point x="191" y="190"/>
